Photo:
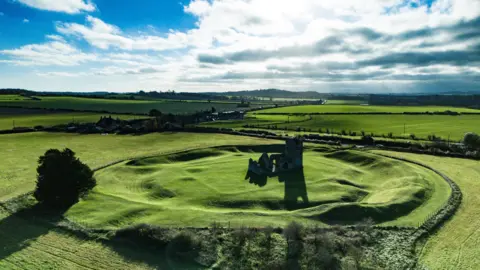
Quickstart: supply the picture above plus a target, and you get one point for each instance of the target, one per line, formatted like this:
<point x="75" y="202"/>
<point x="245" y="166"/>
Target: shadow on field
<point x="24" y="226"/>
<point x="295" y="188"/>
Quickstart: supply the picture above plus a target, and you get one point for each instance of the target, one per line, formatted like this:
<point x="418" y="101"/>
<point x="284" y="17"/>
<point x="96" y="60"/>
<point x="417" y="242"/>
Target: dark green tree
<point x="62" y="178"/>
<point x="155" y="113"/>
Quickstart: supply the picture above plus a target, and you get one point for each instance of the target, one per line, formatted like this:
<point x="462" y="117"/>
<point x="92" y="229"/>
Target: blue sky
<point x="220" y="45"/>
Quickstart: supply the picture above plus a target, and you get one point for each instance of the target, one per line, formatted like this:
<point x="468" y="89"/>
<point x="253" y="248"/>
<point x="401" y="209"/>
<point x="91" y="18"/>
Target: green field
<point x="30" y="244"/>
<point x="306" y="109"/>
<point x="195" y="188"/>
<point x="345" y="102"/>
<point x="16" y="117"/>
<point x="258" y="119"/>
<point x="444" y="126"/>
<point x="457" y="244"/>
<point x="121" y="106"/>
<point x="21" y="151"/>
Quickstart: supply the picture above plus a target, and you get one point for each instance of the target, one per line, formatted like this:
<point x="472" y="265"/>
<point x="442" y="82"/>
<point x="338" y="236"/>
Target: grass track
<point x="457" y="244"/>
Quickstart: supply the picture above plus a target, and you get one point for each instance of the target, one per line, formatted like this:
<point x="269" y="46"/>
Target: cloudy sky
<point x="221" y="45"/>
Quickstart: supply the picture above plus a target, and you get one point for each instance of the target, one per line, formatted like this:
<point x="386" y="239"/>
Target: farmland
<point x="421" y="126"/>
<point x="456" y="244"/>
<point x="189" y="180"/>
<point x="311" y="109"/>
<point x="119" y="106"/>
<point x="17" y="117"/>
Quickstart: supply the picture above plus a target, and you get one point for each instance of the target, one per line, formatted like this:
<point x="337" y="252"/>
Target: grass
<point x="195" y="188"/>
<point x="120" y="106"/>
<point x="306" y="109"/>
<point x="456" y="244"/>
<point x="30" y="244"/>
<point x="400" y="125"/>
<point x="21" y="151"/>
<point x="31" y="118"/>
<point x="251" y="119"/>
<point x="345" y="102"/>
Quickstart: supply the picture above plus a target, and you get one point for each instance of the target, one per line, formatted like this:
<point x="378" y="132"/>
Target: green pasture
<point x="13" y="117"/>
<point x="444" y="126"/>
<point x="457" y="243"/>
<point x="20" y="152"/>
<point x="258" y="119"/>
<point x="121" y="106"/>
<point x="198" y="187"/>
<point x="306" y="109"/>
<point x="345" y="102"/>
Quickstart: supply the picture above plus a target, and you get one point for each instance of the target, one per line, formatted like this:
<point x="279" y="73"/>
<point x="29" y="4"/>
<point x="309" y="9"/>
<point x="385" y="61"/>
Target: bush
<point x="62" y="178"/>
<point x="294" y="231"/>
<point x="184" y="245"/>
<point x="471" y="140"/>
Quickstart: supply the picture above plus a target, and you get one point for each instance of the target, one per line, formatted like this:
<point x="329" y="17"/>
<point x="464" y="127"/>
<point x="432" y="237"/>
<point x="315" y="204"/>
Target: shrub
<point x="293" y="231"/>
<point x="62" y="178"/>
<point x="471" y="140"/>
<point x="184" y="245"/>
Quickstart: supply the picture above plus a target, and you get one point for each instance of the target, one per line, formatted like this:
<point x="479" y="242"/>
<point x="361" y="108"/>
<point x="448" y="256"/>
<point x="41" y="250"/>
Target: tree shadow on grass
<point x="19" y="229"/>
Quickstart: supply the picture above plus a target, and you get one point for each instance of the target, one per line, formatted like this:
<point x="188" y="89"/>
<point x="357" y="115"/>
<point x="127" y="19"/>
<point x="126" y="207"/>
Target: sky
<point x="336" y="46"/>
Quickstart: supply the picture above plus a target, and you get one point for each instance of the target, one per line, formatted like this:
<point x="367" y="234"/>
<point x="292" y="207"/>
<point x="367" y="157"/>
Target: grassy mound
<point x="198" y="187"/>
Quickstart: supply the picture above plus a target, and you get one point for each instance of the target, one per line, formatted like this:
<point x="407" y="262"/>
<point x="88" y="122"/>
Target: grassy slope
<point x="28" y="244"/>
<point x="21" y="151"/>
<point x="119" y="106"/>
<point x="26" y="119"/>
<point x="360" y="108"/>
<point x="197" y="188"/>
<point x="457" y="244"/>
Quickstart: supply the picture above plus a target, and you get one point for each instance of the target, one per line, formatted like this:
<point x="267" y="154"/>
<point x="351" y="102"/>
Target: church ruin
<point x="289" y="160"/>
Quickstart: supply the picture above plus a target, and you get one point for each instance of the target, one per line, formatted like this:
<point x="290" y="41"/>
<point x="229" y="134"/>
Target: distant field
<point x="121" y="106"/>
<point x="10" y="117"/>
<point x="198" y="187"/>
<point x="20" y="152"/>
<point x="420" y="125"/>
<point x="258" y="119"/>
<point x="361" y="108"/>
<point x="457" y="243"/>
<point x="345" y="102"/>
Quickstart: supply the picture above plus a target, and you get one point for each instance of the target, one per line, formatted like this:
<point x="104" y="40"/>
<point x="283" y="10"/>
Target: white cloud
<point x="26" y="21"/>
<point x="67" y="6"/>
<point x="53" y="53"/>
<point x="307" y="44"/>
<point x="105" y="36"/>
